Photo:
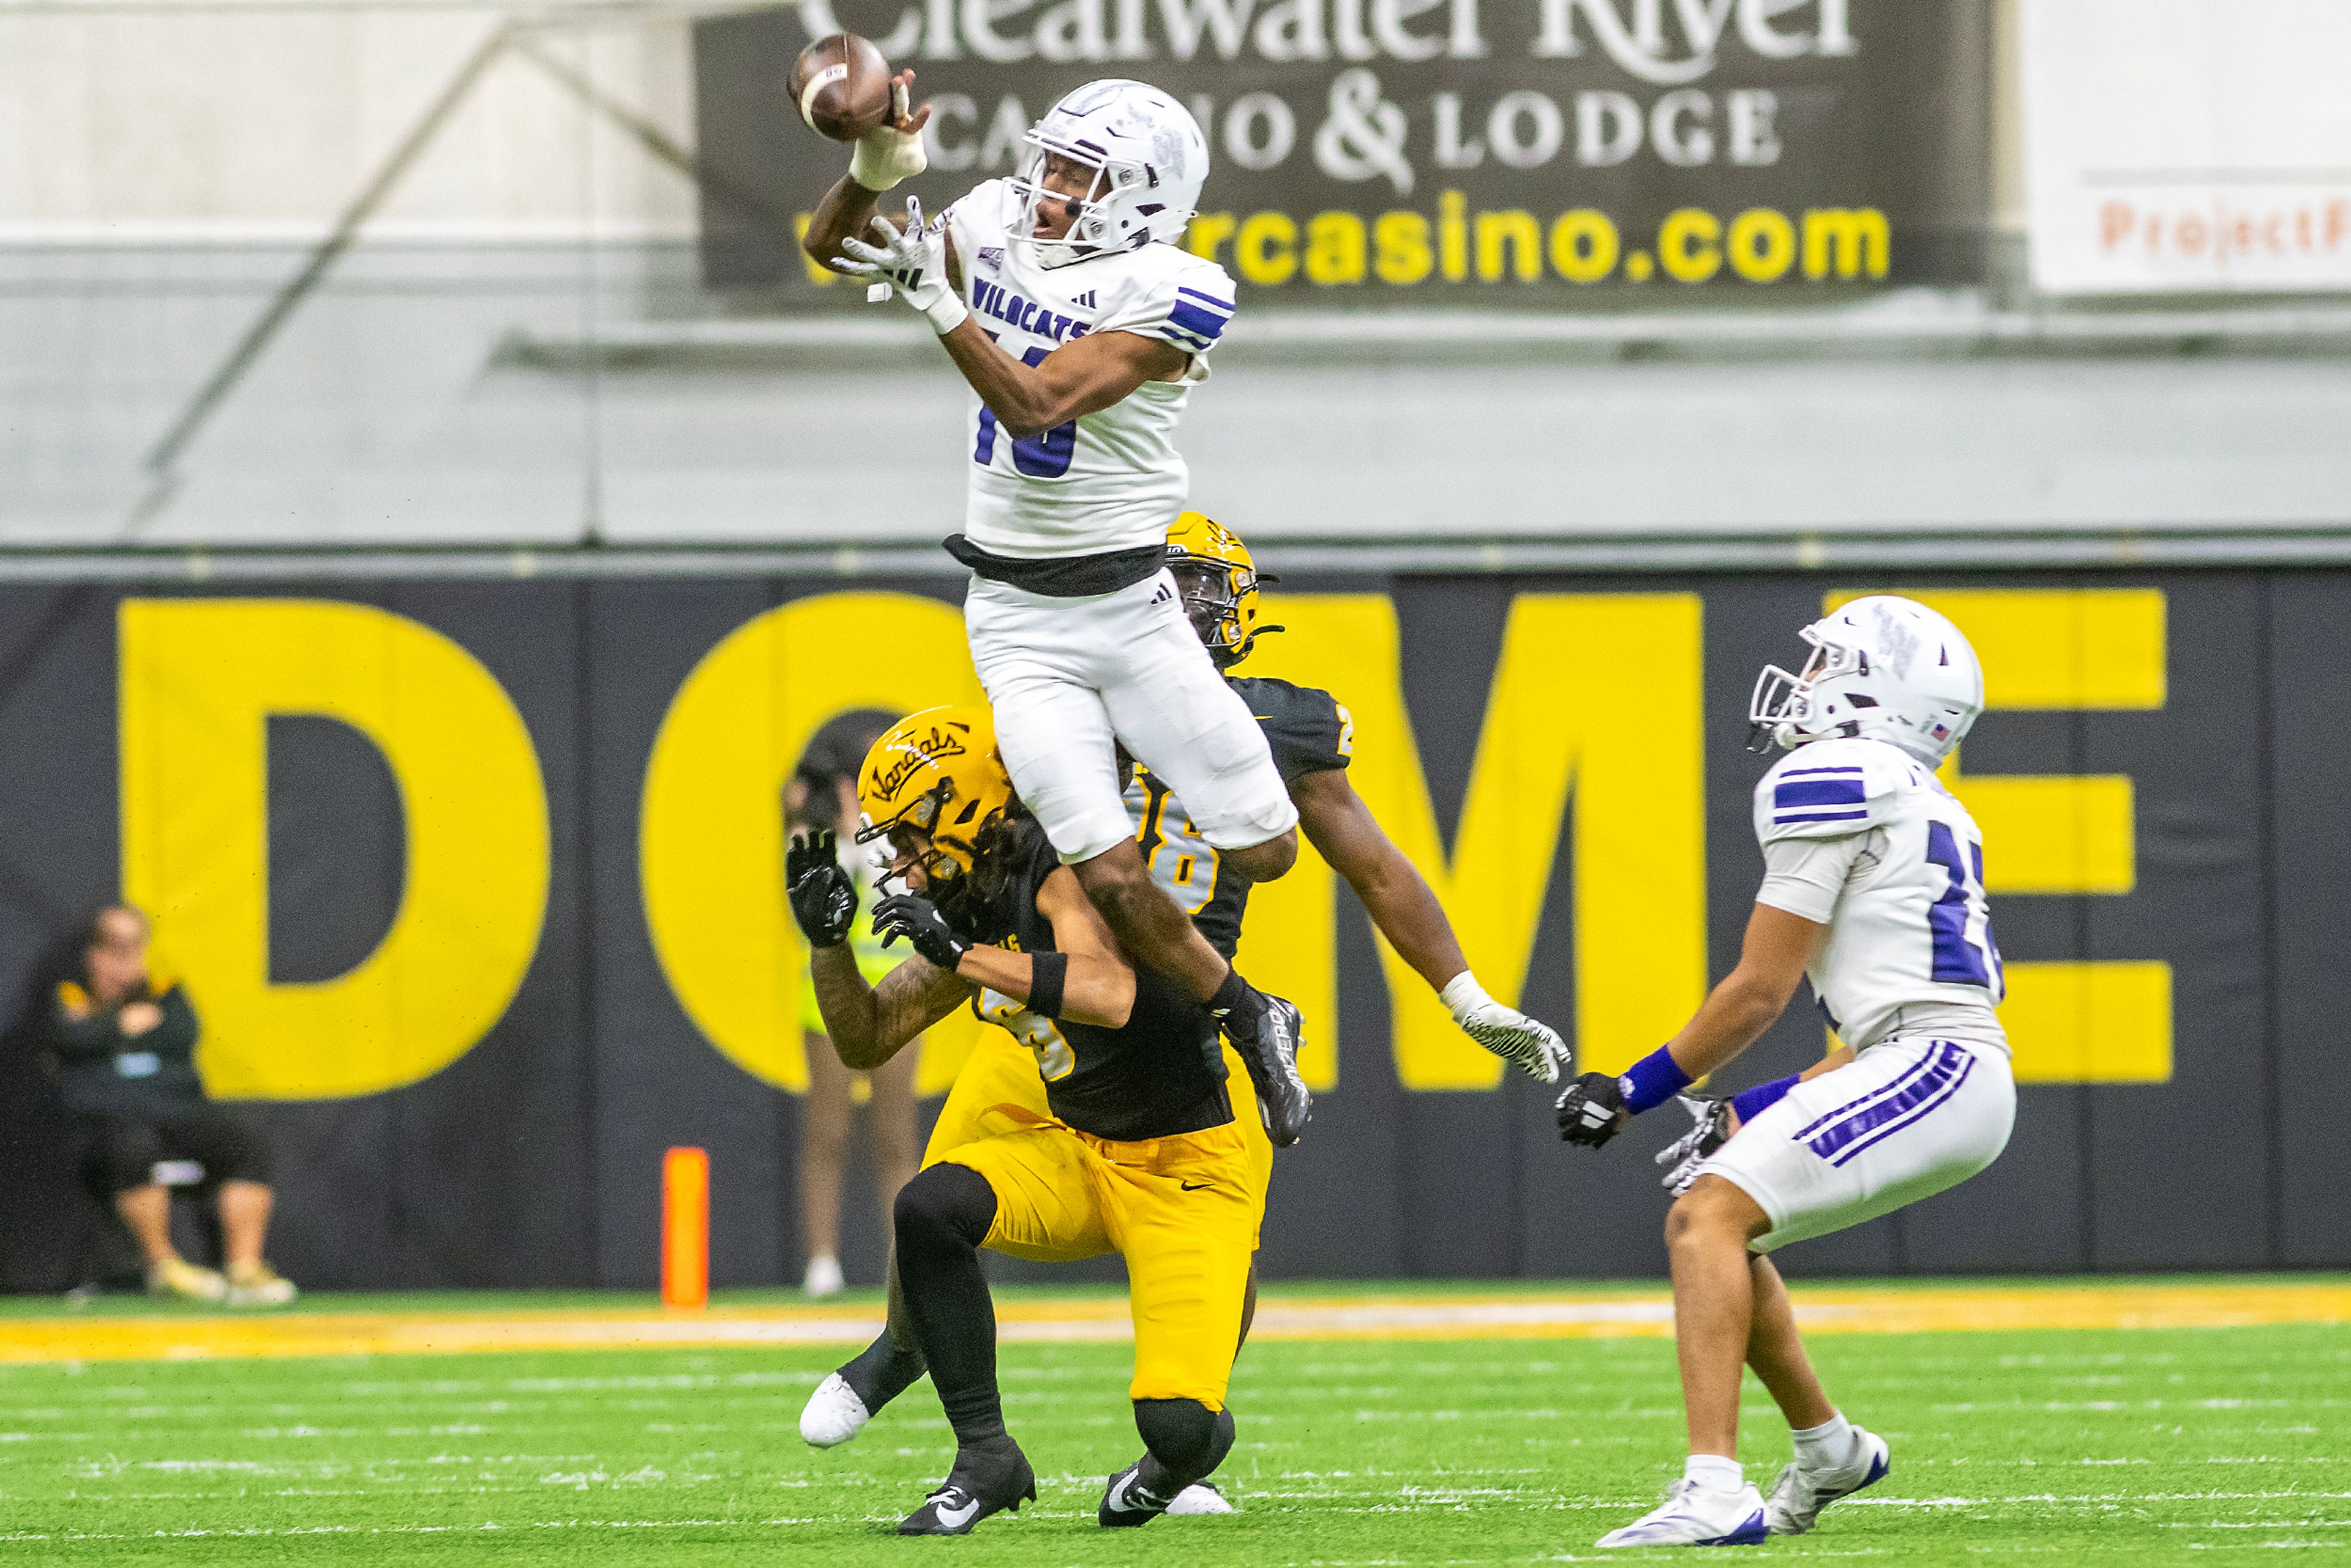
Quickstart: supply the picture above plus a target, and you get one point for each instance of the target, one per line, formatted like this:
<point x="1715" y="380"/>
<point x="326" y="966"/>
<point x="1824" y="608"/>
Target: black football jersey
<point x="1310" y="733"/>
<point x="1150" y="1079"/>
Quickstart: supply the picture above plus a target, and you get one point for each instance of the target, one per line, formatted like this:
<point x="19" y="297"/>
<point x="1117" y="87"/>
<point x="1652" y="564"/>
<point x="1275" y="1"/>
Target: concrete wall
<point x="515" y="349"/>
<point x="231" y="124"/>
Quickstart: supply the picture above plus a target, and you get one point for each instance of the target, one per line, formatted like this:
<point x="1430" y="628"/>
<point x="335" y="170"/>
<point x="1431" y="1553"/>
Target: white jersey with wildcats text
<point x="1111" y="480"/>
<point x="1863" y="838"/>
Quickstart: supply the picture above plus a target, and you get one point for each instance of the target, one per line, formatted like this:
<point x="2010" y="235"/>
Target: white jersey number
<point x="1055" y="1059"/>
<point x="1178" y="858"/>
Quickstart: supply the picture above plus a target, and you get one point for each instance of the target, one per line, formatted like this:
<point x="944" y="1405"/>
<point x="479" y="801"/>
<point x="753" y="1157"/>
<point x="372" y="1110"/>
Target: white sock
<point x="1714" y="1472"/>
<point x="1826" y="1447"/>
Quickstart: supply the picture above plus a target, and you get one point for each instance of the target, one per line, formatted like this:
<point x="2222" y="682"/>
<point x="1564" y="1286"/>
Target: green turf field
<point x="2118" y="1447"/>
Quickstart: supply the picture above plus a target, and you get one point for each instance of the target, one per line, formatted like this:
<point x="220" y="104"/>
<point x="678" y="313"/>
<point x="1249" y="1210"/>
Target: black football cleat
<point x="991" y="1478"/>
<point x="1267" y="1037"/>
<point x="1127" y="1502"/>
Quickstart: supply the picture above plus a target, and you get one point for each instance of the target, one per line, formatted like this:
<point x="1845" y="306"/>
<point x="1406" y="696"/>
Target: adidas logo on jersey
<point x="991" y="256"/>
<point x="1084" y="301"/>
<point x="1163" y="596"/>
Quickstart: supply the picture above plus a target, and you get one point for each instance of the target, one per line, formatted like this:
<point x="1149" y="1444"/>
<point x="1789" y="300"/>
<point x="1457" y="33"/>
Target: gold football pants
<point x="999" y="1090"/>
<point x="1183" y="1211"/>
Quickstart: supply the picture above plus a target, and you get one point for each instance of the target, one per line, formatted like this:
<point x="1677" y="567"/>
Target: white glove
<point x="885" y="155"/>
<point x="1693" y="1149"/>
<point x="911" y="262"/>
<point x="1508" y="1033"/>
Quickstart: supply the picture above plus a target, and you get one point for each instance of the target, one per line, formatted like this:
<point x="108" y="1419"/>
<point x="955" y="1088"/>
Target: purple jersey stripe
<point x="1819" y="792"/>
<point x="1820" y="817"/>
<point x="1190" y="319"/>
<point x="1810" y="772"/>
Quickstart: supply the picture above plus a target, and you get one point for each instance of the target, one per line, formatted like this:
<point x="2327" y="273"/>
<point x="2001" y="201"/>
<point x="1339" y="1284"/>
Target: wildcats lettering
<point x="995" y="300"/>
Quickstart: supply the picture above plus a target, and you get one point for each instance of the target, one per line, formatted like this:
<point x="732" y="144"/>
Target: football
<point x="841" y="86"/>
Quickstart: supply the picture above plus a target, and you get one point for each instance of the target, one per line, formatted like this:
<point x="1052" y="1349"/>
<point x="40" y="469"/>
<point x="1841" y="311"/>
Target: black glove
<point x="823" y="897"/>
<point x="1590" y="1110"/>
<point x="918" y="920"/>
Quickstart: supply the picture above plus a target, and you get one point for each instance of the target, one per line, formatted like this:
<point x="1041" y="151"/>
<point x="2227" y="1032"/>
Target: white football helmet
<point x="1883" y="668"/>
<point x="1149" y="161"/>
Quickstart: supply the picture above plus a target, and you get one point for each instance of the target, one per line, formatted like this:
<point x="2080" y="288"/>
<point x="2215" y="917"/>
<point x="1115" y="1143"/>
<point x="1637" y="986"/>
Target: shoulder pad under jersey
<point x="1833" y="787"/>
<point x="1307" y="729"/>
<point x="981" y="217"/>
<point x="1167" y="293"/>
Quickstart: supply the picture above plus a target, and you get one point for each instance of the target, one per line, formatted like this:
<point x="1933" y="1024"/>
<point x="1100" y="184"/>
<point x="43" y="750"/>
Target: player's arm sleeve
<point x="1813" y="816"/>
<point x="1805" y="876"/>
<point x="1189" y="308"/>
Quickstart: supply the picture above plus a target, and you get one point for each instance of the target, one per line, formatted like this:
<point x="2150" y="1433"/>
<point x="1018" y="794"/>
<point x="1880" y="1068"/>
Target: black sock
<point x="943" y="1216"/>
<point x="882" y="1372"/>
<point x="901" y="1325"/>
<point x="892" y="1364"/>
<point x="1183" y="1439"/>
<point x="1229" y="1001"/>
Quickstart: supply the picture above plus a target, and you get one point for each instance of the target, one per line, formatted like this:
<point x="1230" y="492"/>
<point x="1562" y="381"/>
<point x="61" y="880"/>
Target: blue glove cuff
<point x="1651" y="1080"/>
<point x="1754" y="1102"/>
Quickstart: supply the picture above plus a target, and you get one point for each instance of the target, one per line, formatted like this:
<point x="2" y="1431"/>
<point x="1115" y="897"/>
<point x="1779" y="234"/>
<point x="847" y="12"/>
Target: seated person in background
<point x="124" y="1040"/>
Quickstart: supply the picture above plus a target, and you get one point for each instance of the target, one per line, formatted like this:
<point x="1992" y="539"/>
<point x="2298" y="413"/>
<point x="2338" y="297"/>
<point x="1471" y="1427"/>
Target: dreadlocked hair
<point x="1005" y="845"/>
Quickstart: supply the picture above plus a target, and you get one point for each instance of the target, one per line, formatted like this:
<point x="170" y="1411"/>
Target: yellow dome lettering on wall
<point x="199" y="680"/>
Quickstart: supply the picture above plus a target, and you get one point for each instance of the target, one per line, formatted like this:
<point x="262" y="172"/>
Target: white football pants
<point x="1905" y="1120"/>
<point x="1069" y="677"/>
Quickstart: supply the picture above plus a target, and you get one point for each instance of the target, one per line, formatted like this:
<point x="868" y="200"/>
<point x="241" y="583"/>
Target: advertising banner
<point x="2186" y="147"/>
<point x="1412" y="153"/>
<point x="477" y="890"/>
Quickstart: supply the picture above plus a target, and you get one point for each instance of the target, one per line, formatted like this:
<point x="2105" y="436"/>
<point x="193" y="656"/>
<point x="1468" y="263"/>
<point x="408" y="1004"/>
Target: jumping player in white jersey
<point x="1874" y="886"/>
<point x="1082" y="327"/>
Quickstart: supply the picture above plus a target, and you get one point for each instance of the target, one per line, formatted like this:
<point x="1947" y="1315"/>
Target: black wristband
<point x="1048" y="973"/>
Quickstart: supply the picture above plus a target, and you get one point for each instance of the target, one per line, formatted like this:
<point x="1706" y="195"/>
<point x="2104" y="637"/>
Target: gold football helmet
<point x="935" y="771"/>
<point x="1218" y="581"/>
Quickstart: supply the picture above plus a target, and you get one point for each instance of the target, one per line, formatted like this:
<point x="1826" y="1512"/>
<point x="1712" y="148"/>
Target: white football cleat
<point x="1799" y="1495"/>
<point x="822" y="1279"/>
<point x="1693" y="1515"/>
<point x="833" y="1414"/>
<point x="1200" y="1497"/>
